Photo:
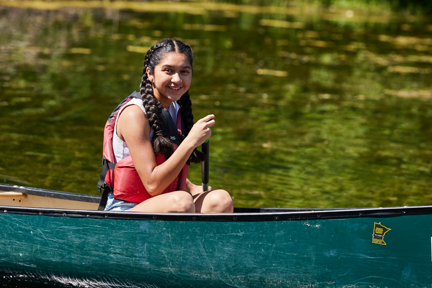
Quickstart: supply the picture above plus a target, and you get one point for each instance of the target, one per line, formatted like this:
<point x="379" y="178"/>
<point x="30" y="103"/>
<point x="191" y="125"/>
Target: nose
<point x="176" y="78"/>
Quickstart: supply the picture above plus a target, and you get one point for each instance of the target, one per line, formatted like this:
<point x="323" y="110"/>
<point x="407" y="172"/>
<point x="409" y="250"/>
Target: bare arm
<point x="133" y="128"/>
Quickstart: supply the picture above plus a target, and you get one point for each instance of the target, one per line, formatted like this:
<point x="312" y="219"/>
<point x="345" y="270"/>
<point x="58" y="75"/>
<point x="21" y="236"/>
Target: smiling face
<point x="171" y="78"/>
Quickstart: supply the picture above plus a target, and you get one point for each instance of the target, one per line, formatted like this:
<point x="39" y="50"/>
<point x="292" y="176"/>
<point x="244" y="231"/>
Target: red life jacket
<point x="122" y="178"/>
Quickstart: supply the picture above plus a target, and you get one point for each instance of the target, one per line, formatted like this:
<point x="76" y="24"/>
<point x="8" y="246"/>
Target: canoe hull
<point x="56" y="249"/>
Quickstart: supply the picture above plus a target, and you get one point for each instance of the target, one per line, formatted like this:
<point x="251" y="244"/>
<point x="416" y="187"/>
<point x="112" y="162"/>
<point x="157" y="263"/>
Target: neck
<point x="165" y="104"/>
<point x="163" y="100"/>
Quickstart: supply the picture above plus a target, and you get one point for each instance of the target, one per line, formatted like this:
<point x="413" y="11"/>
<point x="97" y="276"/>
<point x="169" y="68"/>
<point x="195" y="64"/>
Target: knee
<point x="219" y="201"/>
<point x="181" y="202"/>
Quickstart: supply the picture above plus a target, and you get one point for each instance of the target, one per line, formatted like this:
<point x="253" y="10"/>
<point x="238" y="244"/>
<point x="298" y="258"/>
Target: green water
<point x="315" y="107"/>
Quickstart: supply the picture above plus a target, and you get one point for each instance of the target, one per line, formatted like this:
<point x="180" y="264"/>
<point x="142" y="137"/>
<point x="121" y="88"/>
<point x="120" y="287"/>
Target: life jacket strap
<point x="106" y="191"/>
<point x="106" y="165"/>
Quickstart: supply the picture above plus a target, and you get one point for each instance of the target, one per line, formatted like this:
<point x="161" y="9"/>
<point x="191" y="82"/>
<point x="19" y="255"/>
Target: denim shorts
<point x="118" y="205"/>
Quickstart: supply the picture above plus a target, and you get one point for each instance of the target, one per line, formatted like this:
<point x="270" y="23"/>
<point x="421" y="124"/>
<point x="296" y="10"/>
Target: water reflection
<point x="314" y="108"/>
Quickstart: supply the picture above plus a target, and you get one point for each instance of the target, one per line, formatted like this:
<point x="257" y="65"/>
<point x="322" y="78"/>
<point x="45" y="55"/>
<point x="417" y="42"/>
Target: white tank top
<point x="120" y="147"/>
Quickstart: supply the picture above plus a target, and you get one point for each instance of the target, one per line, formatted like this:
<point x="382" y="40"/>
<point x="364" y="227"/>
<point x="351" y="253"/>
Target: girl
<point x="154" y="137"/>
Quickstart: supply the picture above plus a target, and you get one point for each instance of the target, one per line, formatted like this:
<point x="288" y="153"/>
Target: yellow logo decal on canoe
<point x="378" y="233"/>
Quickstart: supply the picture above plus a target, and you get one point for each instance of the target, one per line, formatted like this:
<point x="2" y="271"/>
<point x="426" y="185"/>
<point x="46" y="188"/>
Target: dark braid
<point x="187" y="116"/>
<point x="154" y="108"/>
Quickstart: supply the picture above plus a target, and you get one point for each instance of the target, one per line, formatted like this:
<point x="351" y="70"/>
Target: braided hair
<point x="152" y="105"/>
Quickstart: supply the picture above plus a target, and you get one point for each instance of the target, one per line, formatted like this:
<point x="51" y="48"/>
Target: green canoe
<point x="58" y="239"/>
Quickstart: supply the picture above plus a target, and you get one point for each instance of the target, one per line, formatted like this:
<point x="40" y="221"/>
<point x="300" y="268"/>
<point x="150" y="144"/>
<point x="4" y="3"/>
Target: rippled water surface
<point x="314" y="107"/>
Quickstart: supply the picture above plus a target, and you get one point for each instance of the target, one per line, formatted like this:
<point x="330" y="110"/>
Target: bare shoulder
<point x="132" y="121"/>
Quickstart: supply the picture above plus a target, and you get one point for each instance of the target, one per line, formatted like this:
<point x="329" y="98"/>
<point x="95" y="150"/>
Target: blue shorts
<point x="118" y="205"/>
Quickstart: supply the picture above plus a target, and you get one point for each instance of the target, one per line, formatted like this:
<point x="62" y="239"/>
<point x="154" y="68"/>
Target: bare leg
<point x="214" y="201"/>
<point x="177" y="201"/>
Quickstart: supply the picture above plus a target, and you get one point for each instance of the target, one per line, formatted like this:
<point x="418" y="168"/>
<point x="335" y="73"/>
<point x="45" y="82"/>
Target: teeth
<point x="175" y="88"/>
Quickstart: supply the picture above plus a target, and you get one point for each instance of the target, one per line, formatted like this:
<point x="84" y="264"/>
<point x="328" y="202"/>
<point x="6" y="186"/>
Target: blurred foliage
<point x="313" y="109"/>
<point x="419" y="7"/>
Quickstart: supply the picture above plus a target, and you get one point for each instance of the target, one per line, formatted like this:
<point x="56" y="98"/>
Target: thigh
<point x="214" y="201"/>
<point x="177" y="201"/>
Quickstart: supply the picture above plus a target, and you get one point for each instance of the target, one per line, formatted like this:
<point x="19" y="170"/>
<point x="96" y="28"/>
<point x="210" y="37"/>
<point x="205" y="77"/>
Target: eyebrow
<point x="170" y="66"/>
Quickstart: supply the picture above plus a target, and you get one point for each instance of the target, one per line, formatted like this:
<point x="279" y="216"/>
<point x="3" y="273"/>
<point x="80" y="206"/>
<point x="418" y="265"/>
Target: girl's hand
<point x="201" y="131"/>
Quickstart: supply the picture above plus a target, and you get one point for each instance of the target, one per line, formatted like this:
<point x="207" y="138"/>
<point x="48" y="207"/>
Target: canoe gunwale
<point x="229" y="217"/>
<point x="241" y="214"/>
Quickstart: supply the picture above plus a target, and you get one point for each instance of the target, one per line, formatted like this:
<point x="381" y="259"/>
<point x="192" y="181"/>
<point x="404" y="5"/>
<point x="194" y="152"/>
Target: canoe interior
<point x="28" y="200"/>
<point x="21" y="196"/>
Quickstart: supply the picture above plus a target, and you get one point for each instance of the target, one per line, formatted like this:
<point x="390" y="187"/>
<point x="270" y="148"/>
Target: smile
<point x="178" y="88"/>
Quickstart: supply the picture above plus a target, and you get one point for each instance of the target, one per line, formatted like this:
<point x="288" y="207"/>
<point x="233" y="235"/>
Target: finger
<point x="207" y="118"/>
<point x="210" y="123"/>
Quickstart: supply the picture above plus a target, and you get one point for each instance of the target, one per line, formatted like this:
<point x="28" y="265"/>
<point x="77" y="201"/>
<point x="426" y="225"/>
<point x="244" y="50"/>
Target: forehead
<point x="174" y="59"/>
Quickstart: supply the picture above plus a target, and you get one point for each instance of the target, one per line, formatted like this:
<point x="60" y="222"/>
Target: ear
<point x="150" y="76"/>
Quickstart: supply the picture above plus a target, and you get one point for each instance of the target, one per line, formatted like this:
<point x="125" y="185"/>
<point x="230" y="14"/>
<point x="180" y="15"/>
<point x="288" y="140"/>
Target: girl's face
<point x="171" y="78"/>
